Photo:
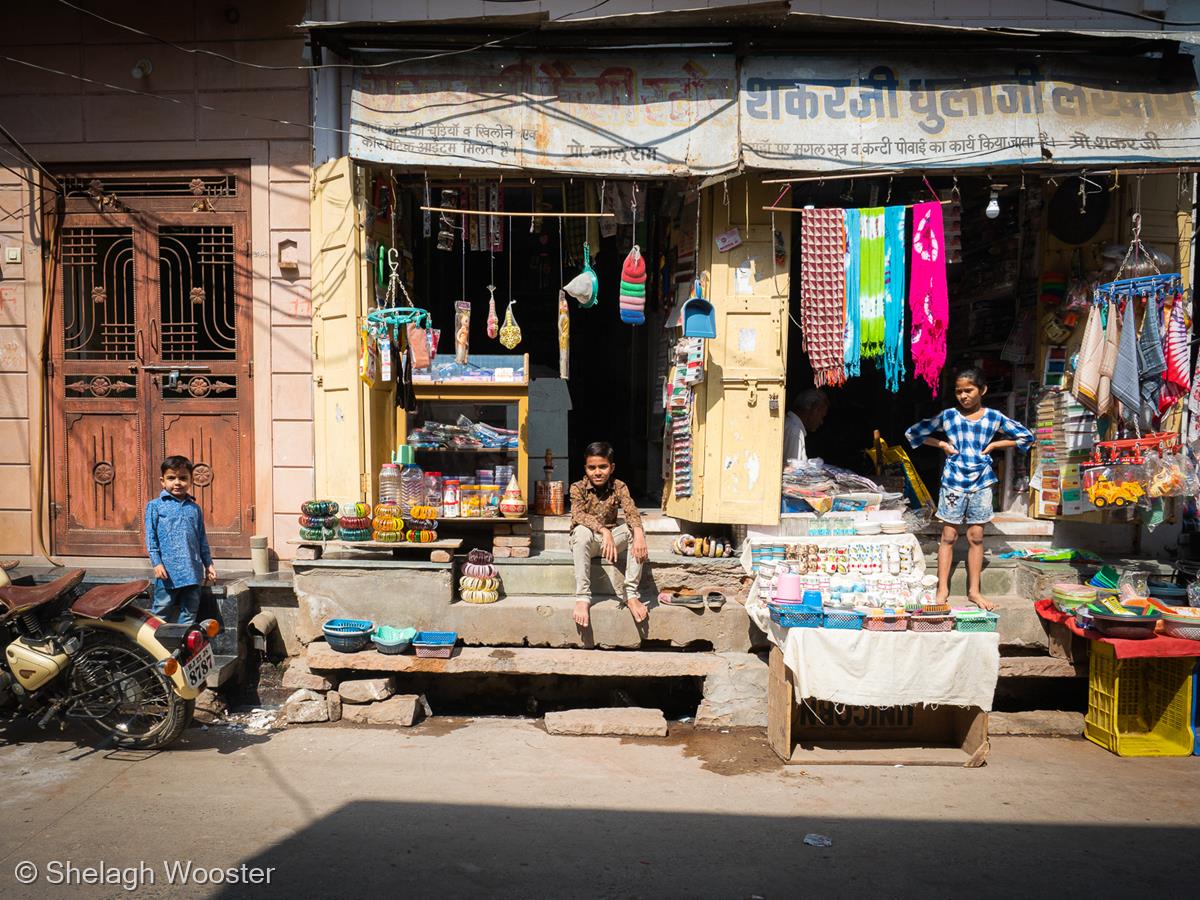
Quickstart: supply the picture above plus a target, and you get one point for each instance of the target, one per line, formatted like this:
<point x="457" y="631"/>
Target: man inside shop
<point x="807" y="414"/>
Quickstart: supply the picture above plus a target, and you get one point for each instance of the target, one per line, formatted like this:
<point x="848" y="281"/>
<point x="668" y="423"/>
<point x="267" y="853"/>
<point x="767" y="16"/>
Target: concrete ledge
<point x="525" y="661"/>
<point x="1043" y="723"/>
<point x="1040" y="667"/>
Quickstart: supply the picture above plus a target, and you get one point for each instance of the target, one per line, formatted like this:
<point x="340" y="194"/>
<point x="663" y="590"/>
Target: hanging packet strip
<point x="871" y="280"/>
<point x="927" y="296"/>
<point x="893" y="296"/>
<point x="1152" y="362"/>
<point x="564" y="337"/>
<point x="853" y="348"/>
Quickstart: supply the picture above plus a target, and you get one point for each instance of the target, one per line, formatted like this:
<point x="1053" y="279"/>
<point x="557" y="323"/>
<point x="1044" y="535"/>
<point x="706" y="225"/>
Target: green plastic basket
<point x="392" y="640"/>
<point x="976" y="622"/>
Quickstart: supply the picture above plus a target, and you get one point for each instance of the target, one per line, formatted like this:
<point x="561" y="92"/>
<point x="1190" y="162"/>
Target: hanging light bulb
<point x="993" y="207"/>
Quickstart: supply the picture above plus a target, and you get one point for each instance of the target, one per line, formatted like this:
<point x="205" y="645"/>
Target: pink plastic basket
<point x="929" y="624"/>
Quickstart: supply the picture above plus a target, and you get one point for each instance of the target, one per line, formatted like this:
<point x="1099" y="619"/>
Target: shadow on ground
<point x="376" y="848"/>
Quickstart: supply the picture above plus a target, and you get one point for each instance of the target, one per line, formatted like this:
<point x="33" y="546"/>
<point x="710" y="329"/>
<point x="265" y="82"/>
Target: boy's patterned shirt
<point x="597" y="508"/>
<point x="970" y="469"/>
<point x="175" y="538"/>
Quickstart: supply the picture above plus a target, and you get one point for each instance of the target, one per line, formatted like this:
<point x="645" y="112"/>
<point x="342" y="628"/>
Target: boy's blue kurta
<point x="175" y="538"/>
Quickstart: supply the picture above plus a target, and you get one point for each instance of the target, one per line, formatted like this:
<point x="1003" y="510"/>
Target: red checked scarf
<point x="823" y="292"/>
<point x="927" y="298"/>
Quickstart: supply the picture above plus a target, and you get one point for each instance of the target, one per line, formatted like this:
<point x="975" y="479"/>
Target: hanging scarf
<point x="871" y="280"/>
<point x="853" y="292"/>
<point x="1125" y="372"/>
<point x="822" y="292"/>
<point x="927" y="295"/>
<point x="1152" y="363"/>
<point x="1176" y="382"/>
<point x="1086" y="383"/>
<point x="1108" y="359"/>
<point x="1193" y="405"/>
<point x="893" y="297"/>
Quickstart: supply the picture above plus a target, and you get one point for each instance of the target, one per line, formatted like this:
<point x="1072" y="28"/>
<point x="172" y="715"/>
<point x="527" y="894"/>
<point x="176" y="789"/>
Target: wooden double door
<point x="151" y="354"/>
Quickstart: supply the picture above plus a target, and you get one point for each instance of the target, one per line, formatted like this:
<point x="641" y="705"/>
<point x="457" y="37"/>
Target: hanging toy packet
<point x="368" y="357"/>
<point x="462" y="332"/>
<point x="564" y="337"/>
<point x="493" y="322"/>
<point x="510" y="331"/>
<point x="633" y="288"/>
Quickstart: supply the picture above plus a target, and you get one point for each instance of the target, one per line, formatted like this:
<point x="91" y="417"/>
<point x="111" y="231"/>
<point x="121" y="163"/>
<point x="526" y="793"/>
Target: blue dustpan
<point x="699" y="317"/>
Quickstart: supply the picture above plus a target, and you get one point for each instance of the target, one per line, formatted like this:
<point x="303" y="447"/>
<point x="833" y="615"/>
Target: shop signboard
<point x="958" y="111"/>
<point x="598" y="114"/>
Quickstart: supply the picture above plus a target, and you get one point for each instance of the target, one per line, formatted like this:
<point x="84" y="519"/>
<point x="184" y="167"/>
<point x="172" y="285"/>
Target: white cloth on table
<point x="879" y="668"/>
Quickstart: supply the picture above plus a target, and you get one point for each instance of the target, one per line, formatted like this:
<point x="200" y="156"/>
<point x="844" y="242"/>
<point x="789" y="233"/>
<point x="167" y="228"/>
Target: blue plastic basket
<point x="435" y="644"/>
<point x="796" y="618"/>
<point x="845" y="619"/>
<point x="348" y="635"/>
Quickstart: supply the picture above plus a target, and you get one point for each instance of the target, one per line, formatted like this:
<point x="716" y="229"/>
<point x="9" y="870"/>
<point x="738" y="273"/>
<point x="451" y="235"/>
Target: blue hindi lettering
<point x="129" y="878"/>
<point x="180" y="872"/>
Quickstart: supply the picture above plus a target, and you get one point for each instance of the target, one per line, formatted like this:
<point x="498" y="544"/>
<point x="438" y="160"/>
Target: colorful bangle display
<point x="355" y="523"/>
<point x="318" y="534"/>
<point x="388" y="537"/>
<point x="355" y="534"/>
<point x="320" y="508"/>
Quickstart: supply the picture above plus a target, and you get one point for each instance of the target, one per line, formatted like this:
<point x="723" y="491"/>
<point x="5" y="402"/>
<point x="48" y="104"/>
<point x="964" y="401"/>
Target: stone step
<point x="553" y="572"/>
<point x="1039" y="723"/>
<point x="1020" y="625"/>
<point x="524" y="661"/>
<point x="1040" y="667"/>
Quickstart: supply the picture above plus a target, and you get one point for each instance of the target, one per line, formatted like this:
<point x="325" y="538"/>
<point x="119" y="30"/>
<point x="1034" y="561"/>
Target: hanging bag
<point x="585" y="287"/>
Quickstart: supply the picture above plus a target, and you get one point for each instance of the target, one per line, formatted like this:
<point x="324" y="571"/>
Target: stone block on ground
<point x="1045" y="723"/>
<point x="210" y="707"/>
<point x="305" y="706"/>
<point x="501" y="552"/>
<point x="367" y="690"/>
<point x="519" y="552"/>
<point x="356" y="714"/>
<point x="735" y="695"/>
<point x="403" y="710"/>
<point x="334" y="701"/>
<point x="299" y="675"/>
<point x="628" y="721"/>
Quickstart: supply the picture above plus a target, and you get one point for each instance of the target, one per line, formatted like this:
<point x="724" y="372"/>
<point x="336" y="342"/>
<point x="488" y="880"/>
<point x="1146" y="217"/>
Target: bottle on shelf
<point x="412" y="481"/>
<point x="433" y="491"/>
<point x="389" y="483"/>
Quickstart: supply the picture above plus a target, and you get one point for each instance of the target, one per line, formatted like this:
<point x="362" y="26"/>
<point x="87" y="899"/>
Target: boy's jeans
<point x="176" y="605"/>
<point x="586" y="546"/>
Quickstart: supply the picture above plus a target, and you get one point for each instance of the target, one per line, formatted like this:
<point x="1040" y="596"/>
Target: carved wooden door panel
<point x="151" y="356"/>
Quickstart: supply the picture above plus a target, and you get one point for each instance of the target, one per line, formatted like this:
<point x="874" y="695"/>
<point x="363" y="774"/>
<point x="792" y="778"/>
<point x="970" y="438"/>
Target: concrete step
<point x="1020" y="626"/>
<point x="1039" y="723"/>
<point x="553" y="572"/>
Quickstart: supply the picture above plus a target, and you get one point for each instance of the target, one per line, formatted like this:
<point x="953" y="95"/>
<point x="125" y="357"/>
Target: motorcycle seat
<point x="19" y="599"/>
<point x="107" y="598"/>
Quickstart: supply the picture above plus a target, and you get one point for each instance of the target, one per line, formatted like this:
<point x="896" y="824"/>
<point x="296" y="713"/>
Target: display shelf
<point x="507" y="451"/>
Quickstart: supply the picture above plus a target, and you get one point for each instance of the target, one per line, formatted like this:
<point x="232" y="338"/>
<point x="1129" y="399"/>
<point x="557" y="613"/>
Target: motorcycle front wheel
<point x="123" y="695"/>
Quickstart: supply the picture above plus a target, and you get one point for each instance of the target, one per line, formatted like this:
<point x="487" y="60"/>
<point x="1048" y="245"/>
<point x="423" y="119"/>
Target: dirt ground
<point x="500" y="808"/>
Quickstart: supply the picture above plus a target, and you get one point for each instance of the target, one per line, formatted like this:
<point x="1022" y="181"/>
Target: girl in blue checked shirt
<point x="972" y="433"/>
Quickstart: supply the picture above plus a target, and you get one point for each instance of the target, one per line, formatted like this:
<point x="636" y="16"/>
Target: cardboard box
<point x="822" y="733"/>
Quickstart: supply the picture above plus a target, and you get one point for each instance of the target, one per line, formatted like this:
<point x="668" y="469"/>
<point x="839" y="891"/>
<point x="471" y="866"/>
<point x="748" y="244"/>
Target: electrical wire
<point x="30" y="157"/>
<point x="201" y="51"/>
<point x="1132" y="15"/>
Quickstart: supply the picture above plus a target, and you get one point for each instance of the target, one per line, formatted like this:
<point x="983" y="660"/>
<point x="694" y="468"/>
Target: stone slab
<point x="367" y="690"/>
<point x="629" y="721"/>
<point x="403" y="710"/>
<point x="334" y="701"/>
<point x="508" y="540"/>
<point x="298" y="675"/>
<point x="519" y="552"/>
<point x="1046" y="723"/>
<point x="326" y="592"/>
<point x="1040" y="667"/>
<point x="554" y="573"/>
<point x="306" y="706"/>
<point x="524" y="661"/>
<point x="735" y="695"/>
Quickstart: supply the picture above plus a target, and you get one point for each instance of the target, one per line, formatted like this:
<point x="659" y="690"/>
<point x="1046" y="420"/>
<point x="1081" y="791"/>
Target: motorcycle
<point x="94" y="657"/>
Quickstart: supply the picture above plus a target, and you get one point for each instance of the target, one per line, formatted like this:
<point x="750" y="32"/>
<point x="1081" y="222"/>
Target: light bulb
<point x="142" y="69"/>
<point x="993" y="207"/>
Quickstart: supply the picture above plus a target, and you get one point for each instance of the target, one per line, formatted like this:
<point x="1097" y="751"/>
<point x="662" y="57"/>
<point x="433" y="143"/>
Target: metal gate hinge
<point x="55" y="510"/>
<point x="251" y="371"/>
<point x="250" y="511"/>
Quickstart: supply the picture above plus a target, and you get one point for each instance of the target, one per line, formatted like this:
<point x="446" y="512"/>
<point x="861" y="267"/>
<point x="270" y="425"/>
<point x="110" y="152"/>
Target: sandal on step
<point x="672" y="598"/>
<point x="715" y="599"/>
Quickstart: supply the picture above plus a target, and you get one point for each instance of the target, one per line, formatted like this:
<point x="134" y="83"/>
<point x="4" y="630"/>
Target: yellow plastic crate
<point x="1139" y="707"/>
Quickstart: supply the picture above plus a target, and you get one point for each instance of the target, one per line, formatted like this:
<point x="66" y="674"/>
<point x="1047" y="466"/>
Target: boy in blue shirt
<point x="178" y="545"/>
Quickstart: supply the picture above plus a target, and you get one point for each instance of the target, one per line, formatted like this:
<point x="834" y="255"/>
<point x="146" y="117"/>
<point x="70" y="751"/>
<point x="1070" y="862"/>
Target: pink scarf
<point x="927" y="297"/>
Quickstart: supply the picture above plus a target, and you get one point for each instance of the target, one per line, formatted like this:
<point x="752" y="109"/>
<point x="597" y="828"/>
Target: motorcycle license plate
<point x="197" y="668"/>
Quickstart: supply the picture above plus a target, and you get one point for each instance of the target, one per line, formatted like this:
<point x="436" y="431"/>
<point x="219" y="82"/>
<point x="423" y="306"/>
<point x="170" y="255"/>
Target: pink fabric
<point x="1176" y="381"/>
<point x="927" y="296"/>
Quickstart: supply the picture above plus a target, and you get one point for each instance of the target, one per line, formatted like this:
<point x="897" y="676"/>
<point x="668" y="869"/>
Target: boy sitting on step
<point x="595" y="532"/>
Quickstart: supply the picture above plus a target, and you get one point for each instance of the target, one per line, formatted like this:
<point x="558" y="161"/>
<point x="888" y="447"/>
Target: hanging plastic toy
<point x="585" y="287"/>
<point x="493" y="321"/>
<point x="633" y="288"/>
<point x="510" y="331"/>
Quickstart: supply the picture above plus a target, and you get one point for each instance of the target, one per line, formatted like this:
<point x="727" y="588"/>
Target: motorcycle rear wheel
<point x="130" y="702"/>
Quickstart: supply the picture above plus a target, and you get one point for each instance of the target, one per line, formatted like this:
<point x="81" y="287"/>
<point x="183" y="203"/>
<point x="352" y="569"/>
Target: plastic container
<point x="981" y="621"/>
<point x="412" y="488"/>
<point x="1171" y="594"/>
<point x="389" y="483"/>
<point x="450" y="499"/>
<point x="844" y="619"/>
<point x="470" y="501"/>
<point x="489" y="501"/>
<point x="392" y="641"/>
<point x="433" y="492"/>
<point x="1139" y="707"/>
<point x="796" y="617"/>
<point x="435" y="644"/>
<point x="888" y="621"/>
<point x="930" y="622"/>
<point x="348" y="635"/>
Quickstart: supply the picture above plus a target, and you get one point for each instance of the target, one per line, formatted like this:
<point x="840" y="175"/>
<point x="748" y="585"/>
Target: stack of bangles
<point x="479" y="583"/>
<point x="318" y="528"/>
<point x="355" y="528"/>
<point x="387" y="524"/>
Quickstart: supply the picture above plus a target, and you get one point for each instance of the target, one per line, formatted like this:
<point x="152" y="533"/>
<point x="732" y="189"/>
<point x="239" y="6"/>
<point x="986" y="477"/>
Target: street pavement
<point x="498" y="808"/>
